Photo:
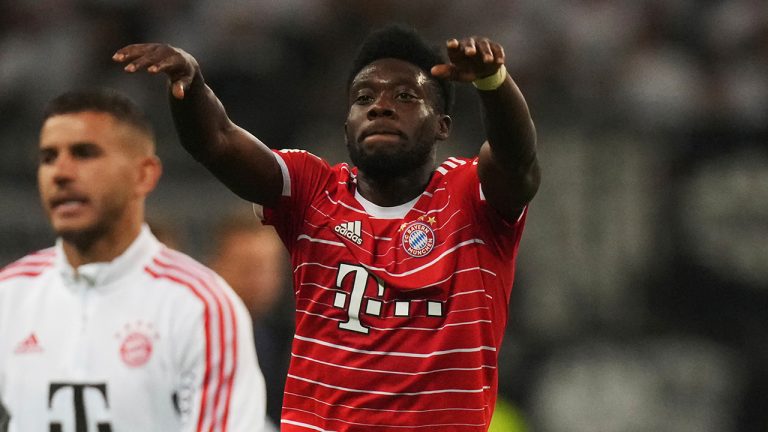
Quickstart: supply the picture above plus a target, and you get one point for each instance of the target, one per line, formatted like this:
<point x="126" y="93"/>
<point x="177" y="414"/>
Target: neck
<point x="396" y="190"/>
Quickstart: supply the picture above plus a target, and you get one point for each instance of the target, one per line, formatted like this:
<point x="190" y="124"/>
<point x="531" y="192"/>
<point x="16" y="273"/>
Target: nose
<point x="381" y="107"/>
<point x="63" y="169"/>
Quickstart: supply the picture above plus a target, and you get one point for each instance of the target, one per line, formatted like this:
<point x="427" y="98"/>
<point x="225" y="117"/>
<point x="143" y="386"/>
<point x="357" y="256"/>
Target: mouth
<point x="381" y="133"/>
<point x="67" y="204"/>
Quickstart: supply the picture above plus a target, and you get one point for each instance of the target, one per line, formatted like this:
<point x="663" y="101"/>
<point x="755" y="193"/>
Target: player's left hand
<point x="471" y="58"/>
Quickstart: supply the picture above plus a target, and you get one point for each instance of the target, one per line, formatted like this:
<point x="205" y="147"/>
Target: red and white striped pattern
<point x="29" y="266"/>
<point x="387" y="341"/>
<point x="220" y="334"/>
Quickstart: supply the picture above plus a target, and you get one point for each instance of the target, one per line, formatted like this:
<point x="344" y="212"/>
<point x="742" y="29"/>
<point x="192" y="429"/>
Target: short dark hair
<point x="103" y="100"/>
<point x="403" y="43"/>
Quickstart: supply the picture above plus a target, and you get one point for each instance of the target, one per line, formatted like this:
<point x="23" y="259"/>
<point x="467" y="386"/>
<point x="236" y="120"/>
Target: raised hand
<point x="471" y="58"/>
<point x="177" y="64"/>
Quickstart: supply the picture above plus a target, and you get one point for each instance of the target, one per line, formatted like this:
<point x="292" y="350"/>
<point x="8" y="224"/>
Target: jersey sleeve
<point x="304" y="176"/>
<point x="219" y="386"/>
<point x="11" y="279"/>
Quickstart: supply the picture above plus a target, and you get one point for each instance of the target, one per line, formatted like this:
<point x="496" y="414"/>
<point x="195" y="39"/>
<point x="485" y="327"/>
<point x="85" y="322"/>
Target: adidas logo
<point x="350" y="230"/>
<point x="28" y="345"/>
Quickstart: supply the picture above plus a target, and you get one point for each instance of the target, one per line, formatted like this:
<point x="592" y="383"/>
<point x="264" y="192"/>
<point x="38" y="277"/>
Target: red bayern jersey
<point x="400" y="312"/>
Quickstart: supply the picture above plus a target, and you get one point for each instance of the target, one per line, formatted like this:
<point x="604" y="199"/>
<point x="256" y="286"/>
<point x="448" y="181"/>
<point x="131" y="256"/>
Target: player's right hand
<point x="470" y="58"/>
<point x="180" y="67"/>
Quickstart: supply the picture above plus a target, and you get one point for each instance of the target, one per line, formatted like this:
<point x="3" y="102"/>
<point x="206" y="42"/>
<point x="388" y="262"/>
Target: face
<point x="393" y="123"/>
<point x="253" y="263"/>
<point x="93" y="174"/>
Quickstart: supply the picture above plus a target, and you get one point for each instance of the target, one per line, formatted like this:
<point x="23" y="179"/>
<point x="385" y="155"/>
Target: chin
<point x="63" y="225"/>
<point x="386" y="164"/>
<point x="75" y="233"/>
<point x="68" y="233"/>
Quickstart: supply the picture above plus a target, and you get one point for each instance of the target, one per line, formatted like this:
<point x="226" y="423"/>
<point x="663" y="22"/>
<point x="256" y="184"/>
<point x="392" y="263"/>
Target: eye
<point x="406" y="96"/>
<point x="47" y="156"/>
<point x="363" y="99"/>
<point x="85" y="151"/>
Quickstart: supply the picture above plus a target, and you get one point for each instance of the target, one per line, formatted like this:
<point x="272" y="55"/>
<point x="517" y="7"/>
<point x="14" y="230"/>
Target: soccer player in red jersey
<point x="403" y="267"/>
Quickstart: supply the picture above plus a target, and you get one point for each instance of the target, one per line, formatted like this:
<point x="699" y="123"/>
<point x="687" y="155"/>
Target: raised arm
<point x="508" y="167"/>
<point x="237" y="158"/>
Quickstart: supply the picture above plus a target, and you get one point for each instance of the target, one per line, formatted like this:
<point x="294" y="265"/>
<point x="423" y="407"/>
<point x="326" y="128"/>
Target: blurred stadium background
<point x="641" y="302"/>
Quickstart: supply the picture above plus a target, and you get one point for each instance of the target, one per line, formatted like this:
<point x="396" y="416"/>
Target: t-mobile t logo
<point x="359" y="282"/>
<point x="373" y="307"/>
<point x="78" y="392"/>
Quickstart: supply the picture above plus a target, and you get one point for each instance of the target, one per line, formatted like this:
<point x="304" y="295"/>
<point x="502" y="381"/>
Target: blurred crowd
<point x="641" y="301"/>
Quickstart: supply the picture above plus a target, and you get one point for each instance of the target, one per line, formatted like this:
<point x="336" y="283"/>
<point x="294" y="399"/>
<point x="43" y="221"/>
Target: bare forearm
<point x="508" y="125"/>
<point x="508" y="168"/>
<point x="234" y="156"/>
<point x="201" y="122"/>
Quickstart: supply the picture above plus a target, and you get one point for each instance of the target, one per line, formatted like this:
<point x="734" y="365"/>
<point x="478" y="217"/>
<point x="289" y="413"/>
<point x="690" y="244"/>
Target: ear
<point x="346" y="138"/>
<point x="150" y="170"/>
<point x="444" y="128"/>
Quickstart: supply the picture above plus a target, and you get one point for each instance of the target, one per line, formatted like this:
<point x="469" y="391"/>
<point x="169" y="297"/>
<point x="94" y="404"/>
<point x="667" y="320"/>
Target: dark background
<point x="641" y="302"/>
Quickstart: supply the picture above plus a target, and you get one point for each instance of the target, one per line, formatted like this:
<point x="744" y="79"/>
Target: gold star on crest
<point x="431" y="220"/>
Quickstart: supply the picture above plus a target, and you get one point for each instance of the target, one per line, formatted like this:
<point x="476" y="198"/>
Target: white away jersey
<point x="152" y="341"/>
<point x="399" y="311"/>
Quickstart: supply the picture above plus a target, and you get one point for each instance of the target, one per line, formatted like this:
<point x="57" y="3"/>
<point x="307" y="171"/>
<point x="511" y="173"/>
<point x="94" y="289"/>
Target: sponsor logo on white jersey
<point x="351" y="231"/>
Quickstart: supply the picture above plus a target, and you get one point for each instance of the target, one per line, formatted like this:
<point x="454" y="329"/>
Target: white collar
<point x="396" y="212"/>
<point x="100" y="275"/>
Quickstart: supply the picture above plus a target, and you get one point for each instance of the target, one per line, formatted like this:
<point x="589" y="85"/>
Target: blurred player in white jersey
<point x="403" y="267"/>
<point x="109" y="330"/>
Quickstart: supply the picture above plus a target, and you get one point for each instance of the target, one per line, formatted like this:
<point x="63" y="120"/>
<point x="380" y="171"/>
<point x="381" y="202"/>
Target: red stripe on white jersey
<point x="207" y="318"/>
<point x="220" y="322"/>
<point x="227" y="317"/>
<point x="29" y="266"/>
<point x="225" y="378"/>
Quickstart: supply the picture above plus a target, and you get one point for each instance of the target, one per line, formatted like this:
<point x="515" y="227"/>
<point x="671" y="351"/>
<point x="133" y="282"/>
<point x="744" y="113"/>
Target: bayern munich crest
<point x="137" y="343"/>
<point x="418" y="239"/>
